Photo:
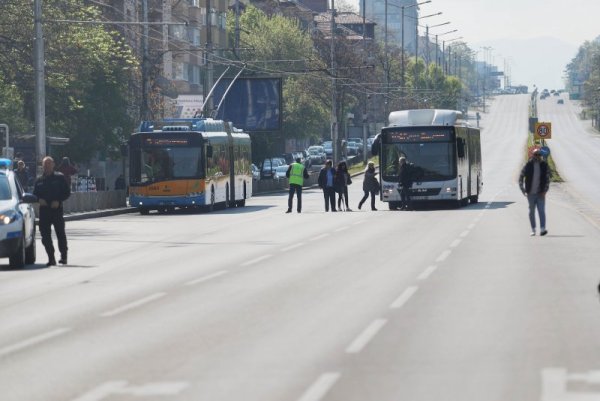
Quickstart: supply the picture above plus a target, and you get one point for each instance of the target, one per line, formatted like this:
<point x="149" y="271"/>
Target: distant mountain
<point x="540" y="61"/>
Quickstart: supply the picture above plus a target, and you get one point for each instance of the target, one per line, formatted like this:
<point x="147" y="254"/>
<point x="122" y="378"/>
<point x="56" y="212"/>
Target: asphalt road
<point x="255" y="304"/>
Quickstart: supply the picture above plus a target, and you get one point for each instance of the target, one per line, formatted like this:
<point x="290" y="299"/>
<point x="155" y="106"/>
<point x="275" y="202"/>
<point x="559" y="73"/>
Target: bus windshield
<point x="433" y="161"/>
<point x="168" y="163"/>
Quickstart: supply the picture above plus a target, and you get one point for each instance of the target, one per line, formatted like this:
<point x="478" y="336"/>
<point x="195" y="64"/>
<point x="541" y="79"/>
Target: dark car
<point x="560" y="101"/>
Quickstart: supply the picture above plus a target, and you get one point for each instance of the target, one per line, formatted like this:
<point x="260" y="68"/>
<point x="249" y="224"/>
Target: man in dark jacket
<point x="52" y="190"/>
<point x="326" y="183"/>
<point x="405" y="179"/>
<point x="534" y="182"/>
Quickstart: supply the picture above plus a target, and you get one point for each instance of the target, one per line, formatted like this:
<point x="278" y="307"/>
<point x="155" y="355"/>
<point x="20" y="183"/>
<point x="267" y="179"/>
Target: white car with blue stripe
<point x="17" y="219"/>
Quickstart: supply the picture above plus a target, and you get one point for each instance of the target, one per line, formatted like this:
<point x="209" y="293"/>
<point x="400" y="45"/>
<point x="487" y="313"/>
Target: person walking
<point x="342" y="180"/>
<point x="326" y="183"/>
<point x="22" y="175"/>
<point x="296" y="173"/>
<point x="534" y="182"/>
<point x="405" y="179"/>
<point x="52" y="190"/>
<point x="370" y="185"/>
<point x="67" y="170"/>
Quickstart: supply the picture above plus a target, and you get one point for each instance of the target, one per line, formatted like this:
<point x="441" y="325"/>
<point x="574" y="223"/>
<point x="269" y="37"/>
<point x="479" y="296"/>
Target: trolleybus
<point x="444" y="150"/>
<point x="189" y="163"/>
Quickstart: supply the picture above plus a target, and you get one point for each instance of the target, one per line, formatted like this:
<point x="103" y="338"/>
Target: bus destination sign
<point x="420" y="136"/>
<point x="149" y="141"/>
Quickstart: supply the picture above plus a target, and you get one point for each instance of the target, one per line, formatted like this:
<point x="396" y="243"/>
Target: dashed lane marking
<point x="427" y="272"/>
<point x="455" y="243"/>
<point x="464" y="233"/>
<point x="133" y="305"/>
<point x="116" y="387"/>
<point x="404" y="297"/>
<point x="289" y="248"/>
<point x="320" y="236"/>
<point x="206" y="278"/>
<point x="366" y="336"/>
<point x="321" y="387"/>
<point x="341" y="229"/>
<point x="256" y="260"/>
<point x="443" y="255"/>
<point x="33" y="341"/>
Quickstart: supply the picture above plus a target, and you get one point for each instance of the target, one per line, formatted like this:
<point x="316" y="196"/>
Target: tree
<point x="88" y="69"/>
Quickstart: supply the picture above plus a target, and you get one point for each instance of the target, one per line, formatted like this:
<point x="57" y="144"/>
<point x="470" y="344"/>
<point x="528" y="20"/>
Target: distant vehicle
<point x="560" y="101"/>
<point x="317" y="157"/>
<point x="445" y="152"/>
<point x="280" y="172"/>
<point x="268" y="167"/>
<point x="255" y="172"/>
<point x="327" y="146"/>
<point x="353" y="148"/>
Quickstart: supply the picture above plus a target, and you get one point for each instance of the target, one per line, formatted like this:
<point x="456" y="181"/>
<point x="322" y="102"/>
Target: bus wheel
<point x="144" y="211"/>
<point x="393" y="205"/>
<point x="474" y="199"/>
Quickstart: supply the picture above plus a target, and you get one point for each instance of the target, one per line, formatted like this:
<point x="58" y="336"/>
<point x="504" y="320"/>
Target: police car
<point x="17" y="219"/>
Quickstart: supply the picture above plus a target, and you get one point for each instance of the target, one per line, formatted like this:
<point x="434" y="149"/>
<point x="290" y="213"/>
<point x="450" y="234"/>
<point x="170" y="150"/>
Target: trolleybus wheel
<point x="211" y="206"/>
<point x="242" y="202"/>
<point x="144" y="211"/>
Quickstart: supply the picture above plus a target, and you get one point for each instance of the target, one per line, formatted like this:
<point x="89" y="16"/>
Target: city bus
<point x="444" y="150"/>
<point x="189" y="163"/>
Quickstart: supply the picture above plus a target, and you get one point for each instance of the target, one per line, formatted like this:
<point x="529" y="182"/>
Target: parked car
<point x="255" y="172"/>
<point x="268" y="167"/>
<point x="328" y="148"/>
<point x="353" y="149"/>
<point x="280" y="172"/>
<point x="560" y="101"/>
<point x="317" y="157"/>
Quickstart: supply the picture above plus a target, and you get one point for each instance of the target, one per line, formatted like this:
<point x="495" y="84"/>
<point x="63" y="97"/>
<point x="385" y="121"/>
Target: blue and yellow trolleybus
<point x="444" y="150"/>
<point x="189" y="163"/>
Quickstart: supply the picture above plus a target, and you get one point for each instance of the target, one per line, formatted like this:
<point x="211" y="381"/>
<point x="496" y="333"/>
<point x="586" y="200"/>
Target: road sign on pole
<point x="543" y="131"/>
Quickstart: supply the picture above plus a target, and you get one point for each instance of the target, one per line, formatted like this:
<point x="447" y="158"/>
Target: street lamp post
<point x="402" y="81"/>
<point x="417" y="45"/>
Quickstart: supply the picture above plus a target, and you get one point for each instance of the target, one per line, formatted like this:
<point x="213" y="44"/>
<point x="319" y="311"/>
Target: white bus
<point x="444" y="149"/>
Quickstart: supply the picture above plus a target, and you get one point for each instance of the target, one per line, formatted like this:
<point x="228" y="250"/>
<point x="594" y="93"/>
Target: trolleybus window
<point x="169" y="163"/>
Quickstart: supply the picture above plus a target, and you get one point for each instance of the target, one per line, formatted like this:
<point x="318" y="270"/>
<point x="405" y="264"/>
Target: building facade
<point x="376" y="10"/>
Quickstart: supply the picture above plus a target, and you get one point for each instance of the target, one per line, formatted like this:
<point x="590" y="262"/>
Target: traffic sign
<point x="545" y="150"/>
<point x="543" y="131"/>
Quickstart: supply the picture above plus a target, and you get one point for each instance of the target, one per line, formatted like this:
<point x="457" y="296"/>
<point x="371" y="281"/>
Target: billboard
<point x="252" y="104"/>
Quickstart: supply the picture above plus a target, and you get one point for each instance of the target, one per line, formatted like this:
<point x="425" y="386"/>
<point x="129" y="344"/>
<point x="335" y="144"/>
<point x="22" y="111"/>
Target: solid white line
<point x="134" y="304"/>
<point x="455" y="243"/>
<point x="289" y="248"/>
<point x="319" y="388"/>
<point x="341" y="229"/>
<point x="33" y="341"/>
<point x="206" y="278"/>
<point x="367" y="335"/>
<point x="253" y="261"/>
<point x="318" y="237"/>
<point x="464" y="233"/>
<point x="443" y="255"/>
<point x="404" y="297"/>
<point x="427" y="272"/>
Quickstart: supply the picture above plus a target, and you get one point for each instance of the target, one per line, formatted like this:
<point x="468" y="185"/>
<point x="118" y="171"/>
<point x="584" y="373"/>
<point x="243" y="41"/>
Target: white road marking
<point x="289" y="248"/>
<point x="443" y="255"/>
<point x="404" y="297"/>
<point x="555" y="388"/>
<point x="134" y="304"/>
<point x="319" y="388"/>
<point x="256" y="260"/>
<point x="33" y="341"/>
<point x="107" y="389"/>
<point x="367" y="335"/>
<point x="470" y="226"/>
<point x="206" y="278"/>
<point x="464" y="233"/>
<point x="357" y="222"/>
<point x="341" y="229"/>
<point x="427" y="272"/>
<point x="455" y="243"/>
<point x="318" y="237"/>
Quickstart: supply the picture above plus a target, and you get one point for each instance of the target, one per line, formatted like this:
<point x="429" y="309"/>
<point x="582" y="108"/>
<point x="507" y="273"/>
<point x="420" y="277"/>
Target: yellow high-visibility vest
<point x="297" y="174"/>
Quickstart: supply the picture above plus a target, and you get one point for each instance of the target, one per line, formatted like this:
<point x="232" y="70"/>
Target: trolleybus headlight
<point x="450" y="189"/>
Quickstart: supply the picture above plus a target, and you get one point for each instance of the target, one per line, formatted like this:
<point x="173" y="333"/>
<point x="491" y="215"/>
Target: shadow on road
<point x="431" y="206"/>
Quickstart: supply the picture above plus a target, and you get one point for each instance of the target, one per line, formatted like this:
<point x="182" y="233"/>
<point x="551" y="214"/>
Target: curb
<point x="99" y="213"/>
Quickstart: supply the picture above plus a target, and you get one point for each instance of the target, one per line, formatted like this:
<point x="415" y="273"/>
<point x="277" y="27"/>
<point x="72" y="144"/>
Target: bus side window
<point x="209" y="151"/>
<point x="460" y="147"/>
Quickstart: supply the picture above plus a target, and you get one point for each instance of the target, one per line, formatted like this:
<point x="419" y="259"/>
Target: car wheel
<point x="393" y="205"/>
<point x="144" y="211"/>
<point x="30" y="251"/>
<point x="17" y="259"/>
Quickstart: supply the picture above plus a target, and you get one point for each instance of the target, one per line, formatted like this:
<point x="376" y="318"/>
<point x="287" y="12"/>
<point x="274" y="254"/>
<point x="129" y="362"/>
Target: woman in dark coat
<point x="370" y="185"/>
<point x="342" y="180"/>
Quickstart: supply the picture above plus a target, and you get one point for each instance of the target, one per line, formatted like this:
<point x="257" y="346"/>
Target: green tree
<point x="88" y="71"/>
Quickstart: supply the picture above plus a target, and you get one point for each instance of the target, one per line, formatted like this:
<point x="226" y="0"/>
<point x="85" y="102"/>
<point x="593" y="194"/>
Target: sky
<point x="535" y="38"/>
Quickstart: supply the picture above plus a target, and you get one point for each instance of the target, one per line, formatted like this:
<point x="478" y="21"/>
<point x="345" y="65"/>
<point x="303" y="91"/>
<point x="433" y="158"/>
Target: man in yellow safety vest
<point x="296" y="174"/>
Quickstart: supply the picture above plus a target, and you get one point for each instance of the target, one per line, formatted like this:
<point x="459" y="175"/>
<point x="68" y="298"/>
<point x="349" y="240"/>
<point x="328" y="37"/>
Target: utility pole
<point x="334" y="125"/>
<point x="386" y="66"/>
<point x="364" y="118"/>
<point x="208" y="60"/>
<point x="40" y="95"/>
<point x="145" y="109"/>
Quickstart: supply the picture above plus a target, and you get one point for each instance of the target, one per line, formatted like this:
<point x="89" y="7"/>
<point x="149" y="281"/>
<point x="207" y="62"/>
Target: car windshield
<point x="5" y="193"/>
<point x="281" y="169"/>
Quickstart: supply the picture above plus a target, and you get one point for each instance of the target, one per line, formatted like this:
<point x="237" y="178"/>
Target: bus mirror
<point x="460" y="148"/>
<point x="209" y="151"/>
<point x="375" y="145"/>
